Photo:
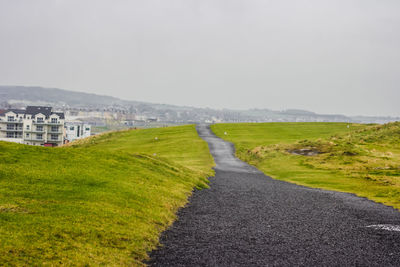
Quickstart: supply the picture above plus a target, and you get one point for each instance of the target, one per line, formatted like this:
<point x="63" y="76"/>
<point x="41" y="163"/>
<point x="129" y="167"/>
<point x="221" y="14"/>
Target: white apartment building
<point x="34" y="126"/>
<point x="76" y="130"/>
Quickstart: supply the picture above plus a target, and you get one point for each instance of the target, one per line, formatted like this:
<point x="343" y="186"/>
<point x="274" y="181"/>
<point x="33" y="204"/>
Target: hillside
<point x="54" y="95"/>
<point x="19" y="96"/>
<point x="361" y="159"/>
<point x="102" y="201"/>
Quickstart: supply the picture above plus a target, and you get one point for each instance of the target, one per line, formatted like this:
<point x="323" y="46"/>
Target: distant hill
<point x="54" y="95"/>
<point x="19" y="96"/>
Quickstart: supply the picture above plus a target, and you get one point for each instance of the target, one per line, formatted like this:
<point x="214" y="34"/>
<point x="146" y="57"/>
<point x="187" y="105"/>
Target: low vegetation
<point x="117" y="126"/>
<point x="360" y="159"/>
<point x="100" y="201"/>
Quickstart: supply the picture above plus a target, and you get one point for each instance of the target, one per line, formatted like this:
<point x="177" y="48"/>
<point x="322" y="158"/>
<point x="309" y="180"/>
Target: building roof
<point x="16" y="111"/>
<point x="60" y="114"/>
<point x="34" y="110"/>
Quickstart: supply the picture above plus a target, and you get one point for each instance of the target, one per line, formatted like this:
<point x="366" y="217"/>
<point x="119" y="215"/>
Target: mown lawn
<point x="360" y="159"/>
<point x="103" y="201"/>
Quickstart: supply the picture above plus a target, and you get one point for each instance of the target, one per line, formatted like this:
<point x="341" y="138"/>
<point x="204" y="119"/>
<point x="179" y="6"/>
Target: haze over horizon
<point x="332" y="57"/>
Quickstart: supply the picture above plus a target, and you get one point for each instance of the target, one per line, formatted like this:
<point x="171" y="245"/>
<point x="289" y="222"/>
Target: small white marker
<point x="225" y="133"/>
<point x="156" y="138"/>
<point x="387" y="227"/>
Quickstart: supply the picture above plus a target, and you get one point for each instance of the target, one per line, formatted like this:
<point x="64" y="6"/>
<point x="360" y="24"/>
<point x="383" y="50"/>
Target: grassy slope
<point x="247" y="135"/>
<point x="103" y="201"/>
<point x="361" y="159"/>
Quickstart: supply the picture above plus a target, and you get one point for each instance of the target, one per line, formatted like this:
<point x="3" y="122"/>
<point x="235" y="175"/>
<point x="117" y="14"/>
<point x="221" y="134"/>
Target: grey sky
<point x="328" y="56"/>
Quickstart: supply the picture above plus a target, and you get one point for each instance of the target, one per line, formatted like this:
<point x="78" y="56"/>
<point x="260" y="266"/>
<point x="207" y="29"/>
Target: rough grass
<point x="361" y="159"/>
<point x="101" y="201"/>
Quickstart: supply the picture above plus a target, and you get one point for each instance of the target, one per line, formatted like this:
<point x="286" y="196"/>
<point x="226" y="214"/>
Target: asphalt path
<point x="246" y="218"/>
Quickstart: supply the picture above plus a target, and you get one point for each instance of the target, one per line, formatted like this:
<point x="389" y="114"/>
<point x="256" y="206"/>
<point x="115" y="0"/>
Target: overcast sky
<point x="327" y="56"/>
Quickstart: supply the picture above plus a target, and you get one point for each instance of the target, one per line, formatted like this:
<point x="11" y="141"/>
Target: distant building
<point x="153" y="119"/>
<point x="36" y="125"/>
<point x="129" y="123"/>
<point x="76" y="130"/>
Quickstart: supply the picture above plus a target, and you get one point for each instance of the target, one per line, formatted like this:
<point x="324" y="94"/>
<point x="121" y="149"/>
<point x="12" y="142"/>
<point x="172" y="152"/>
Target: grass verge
<point x="360" y="159"/>
<point x="100" y="201"/>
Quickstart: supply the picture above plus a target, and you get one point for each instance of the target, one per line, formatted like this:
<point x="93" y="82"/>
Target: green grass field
<point x="361" y="159"/>
<point x="101" y="201"/>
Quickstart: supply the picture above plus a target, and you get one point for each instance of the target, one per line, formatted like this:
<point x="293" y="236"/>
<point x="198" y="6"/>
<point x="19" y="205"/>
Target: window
<point x="71" y="128"/>
<point x="10" y="118"/>
<point x="54" y="137"/>
<point x="53" y="120"/>
<point x="39" y="136"/>
<point x="39" y="120"/>
<point x="10" y="127"/>
<point x="54" y="128"/>
<point x="27" y="135"/>
<point x="39" y="128"/>
<point x="10" y="135"/>
<point x="28" y="127"/>
<point x="87" y="129"/>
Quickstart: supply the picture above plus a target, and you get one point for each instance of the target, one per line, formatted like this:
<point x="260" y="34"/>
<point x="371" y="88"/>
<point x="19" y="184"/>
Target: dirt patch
<point x="12" y="208"/>
<point x="305" y="152"/>
<point x="349" y="153"/>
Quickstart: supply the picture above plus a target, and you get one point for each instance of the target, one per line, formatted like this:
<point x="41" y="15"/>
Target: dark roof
<point x="61" y="114"/>
<point x="17" y="111"/>
<point x="33" y="110"/>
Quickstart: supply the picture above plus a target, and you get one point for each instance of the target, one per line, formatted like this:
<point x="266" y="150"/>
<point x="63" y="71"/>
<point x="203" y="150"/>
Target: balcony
<point x="33" y="139"/>
<point x="14" y="136"/>
<point x="19" y="121"/>
<point x="53" y="123"/>
<point x="54" y="132"/>
<point x="46" y="123"/>
<point x="54" y="139"/>
<point x="34" y="131"/>
<point x="12" y="129"/>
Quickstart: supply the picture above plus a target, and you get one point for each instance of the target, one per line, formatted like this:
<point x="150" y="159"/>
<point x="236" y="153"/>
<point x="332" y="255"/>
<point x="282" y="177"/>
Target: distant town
<point x="83" y="114"/>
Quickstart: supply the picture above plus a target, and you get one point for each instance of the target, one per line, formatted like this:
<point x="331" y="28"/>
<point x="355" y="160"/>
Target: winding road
<point x="246" y="218"/>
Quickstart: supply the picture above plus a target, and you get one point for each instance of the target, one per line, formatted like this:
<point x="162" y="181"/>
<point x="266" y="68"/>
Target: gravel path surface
<point x="248" y="219"/>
